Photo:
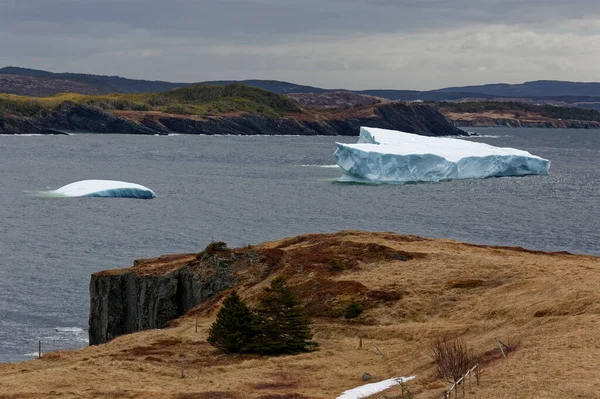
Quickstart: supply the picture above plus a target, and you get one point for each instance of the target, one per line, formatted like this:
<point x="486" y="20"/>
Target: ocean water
<point x="247" y="190"/>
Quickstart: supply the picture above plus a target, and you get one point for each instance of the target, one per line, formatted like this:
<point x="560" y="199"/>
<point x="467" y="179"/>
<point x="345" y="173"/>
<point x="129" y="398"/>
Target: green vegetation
<point x="216" y="247"/>
<point x="278" y="325"/>
<point x="201" y="100"/>
<point x="353" y="310"/>
<point x="234" y="328"/>
<point x="283" y="326"/>
<point x="548" y="111"/>
<point x="337" y="265"/>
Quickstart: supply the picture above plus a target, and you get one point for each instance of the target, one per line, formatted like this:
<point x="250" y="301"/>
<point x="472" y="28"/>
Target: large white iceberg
<point x="104" y="188"/>
<point x="390" y="156"/>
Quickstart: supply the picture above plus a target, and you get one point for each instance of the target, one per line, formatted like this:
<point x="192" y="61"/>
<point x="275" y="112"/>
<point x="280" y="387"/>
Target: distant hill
<point x="274" y="86"/>
<point x="42" y="87"/>
<point x="103" y="84"/>
<point x="539" y="88"/>
<point x="38" y="83"/>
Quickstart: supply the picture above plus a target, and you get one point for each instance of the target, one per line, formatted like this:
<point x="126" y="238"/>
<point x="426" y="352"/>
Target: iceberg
<point x="390" y="156"/>
<point x="104" y="188"/>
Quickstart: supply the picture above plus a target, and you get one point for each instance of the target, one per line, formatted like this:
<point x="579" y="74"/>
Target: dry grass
<point x="549" y="302"/>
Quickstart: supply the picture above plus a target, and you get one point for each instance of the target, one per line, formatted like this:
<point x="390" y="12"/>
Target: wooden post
<point x="455" y="392"/>
<point x="39" y="349"/>
<point x="501" y="348"/>
<point x="182" y="360"/>
<point x="463" y="386"/>
<point x="196" y="323"/>
<point x="477" y="374"/>
<point x="360" y="338"/>
<point x="470" y="379"/>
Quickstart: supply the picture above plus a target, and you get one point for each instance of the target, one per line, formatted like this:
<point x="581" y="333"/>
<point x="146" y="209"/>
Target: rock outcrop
<point x="419" y="119"/>
<point x="153" y="292"/>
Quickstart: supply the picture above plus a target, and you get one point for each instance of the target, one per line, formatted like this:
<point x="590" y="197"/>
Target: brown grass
<point x="550" y="301"/>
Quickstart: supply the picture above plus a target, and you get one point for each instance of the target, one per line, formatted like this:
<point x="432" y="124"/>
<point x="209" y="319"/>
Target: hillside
<point x="515" y="114"/>
<point x="41" y="87"/>
<point x="234" y="109"/>
<point x="538" y="88"/>
<point x="105" y="84"/>
<point x="413" y="290"/>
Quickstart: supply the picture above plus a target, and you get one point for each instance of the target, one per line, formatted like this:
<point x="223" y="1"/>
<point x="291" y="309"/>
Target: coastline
<point x="413" y="289"/>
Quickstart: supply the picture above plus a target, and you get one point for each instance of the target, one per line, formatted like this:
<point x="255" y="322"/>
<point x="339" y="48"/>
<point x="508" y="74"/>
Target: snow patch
<point x="376" y="387"/>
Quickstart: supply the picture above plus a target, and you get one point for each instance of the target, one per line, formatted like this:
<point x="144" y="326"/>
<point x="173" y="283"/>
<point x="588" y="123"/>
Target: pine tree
<point x="283" y="326"/>
<point x="234" y="328"/>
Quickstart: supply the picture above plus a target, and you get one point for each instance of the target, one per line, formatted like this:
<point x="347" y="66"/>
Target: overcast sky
<point x="403" y="44"/>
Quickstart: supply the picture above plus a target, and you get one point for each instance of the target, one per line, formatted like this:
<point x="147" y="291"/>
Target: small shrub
<point x="216" y="247"/>
<point x="336" y="265"/>
<point x="452" y="357"/>
<point x="353" y="310"/>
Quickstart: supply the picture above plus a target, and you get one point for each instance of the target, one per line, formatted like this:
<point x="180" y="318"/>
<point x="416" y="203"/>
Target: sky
<point x="368" y="44"/>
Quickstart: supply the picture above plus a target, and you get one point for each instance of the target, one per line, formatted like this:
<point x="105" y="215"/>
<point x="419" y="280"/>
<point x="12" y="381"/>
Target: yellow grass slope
<point x="414" y="290"/>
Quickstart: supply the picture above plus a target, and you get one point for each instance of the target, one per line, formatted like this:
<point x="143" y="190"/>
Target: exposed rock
<point x="367" y="377"/>
<point x="419" y="119"/>
<point x="156" y="291"/>
<point x="152" y="293"/>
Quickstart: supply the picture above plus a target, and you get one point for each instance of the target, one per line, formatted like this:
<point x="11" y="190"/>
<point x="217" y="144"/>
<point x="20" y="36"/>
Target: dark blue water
<point x="247" y="190"/>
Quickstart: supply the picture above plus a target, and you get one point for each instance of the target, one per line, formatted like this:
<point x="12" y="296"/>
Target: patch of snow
<point x="371" y="389"/>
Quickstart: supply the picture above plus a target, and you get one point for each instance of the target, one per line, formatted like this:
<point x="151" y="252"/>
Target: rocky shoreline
<point x="71" y="117"/>
<point x="550" y="124"/>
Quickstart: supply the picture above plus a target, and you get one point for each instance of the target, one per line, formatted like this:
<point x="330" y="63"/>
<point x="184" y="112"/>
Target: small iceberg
<point x="104" y="189"/>
<point x="390" y="156"/>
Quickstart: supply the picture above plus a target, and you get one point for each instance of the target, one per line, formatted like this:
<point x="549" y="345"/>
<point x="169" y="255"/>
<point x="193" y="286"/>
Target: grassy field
<point x="413" y="289"/>
<point x="197" y="100"/>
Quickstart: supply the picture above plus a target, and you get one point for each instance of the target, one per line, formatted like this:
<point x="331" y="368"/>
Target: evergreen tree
<point x="283" y="326"/>
<point x="234" y="328"/>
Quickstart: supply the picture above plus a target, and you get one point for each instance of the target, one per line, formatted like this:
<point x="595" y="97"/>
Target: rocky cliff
<point x="153" y="292"/>
<point x="156" y="291"/>
<point x="71" y="117"/>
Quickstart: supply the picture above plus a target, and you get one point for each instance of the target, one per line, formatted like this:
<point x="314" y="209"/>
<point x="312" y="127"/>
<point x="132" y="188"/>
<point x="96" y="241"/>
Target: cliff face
<point x="156" y="291"/>
<point x="418" y="119"/>
<point x="152" y="293"/>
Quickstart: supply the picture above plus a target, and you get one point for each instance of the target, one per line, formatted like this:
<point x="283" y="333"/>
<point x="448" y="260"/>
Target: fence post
<point x="501" y="348"/>
<point x="470" y="380"/>
<point x="463" y="386"/>
<point x="477" y="374"/>
<point x="360" y="338"/>
<point x="379" y="350"/>
<point x="39" y="349"/>
<point x="182" y="360"/>
<point x="196" y="323"/>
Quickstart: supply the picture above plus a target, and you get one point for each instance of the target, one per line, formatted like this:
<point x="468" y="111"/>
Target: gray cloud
<point x="332" y="43"/>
